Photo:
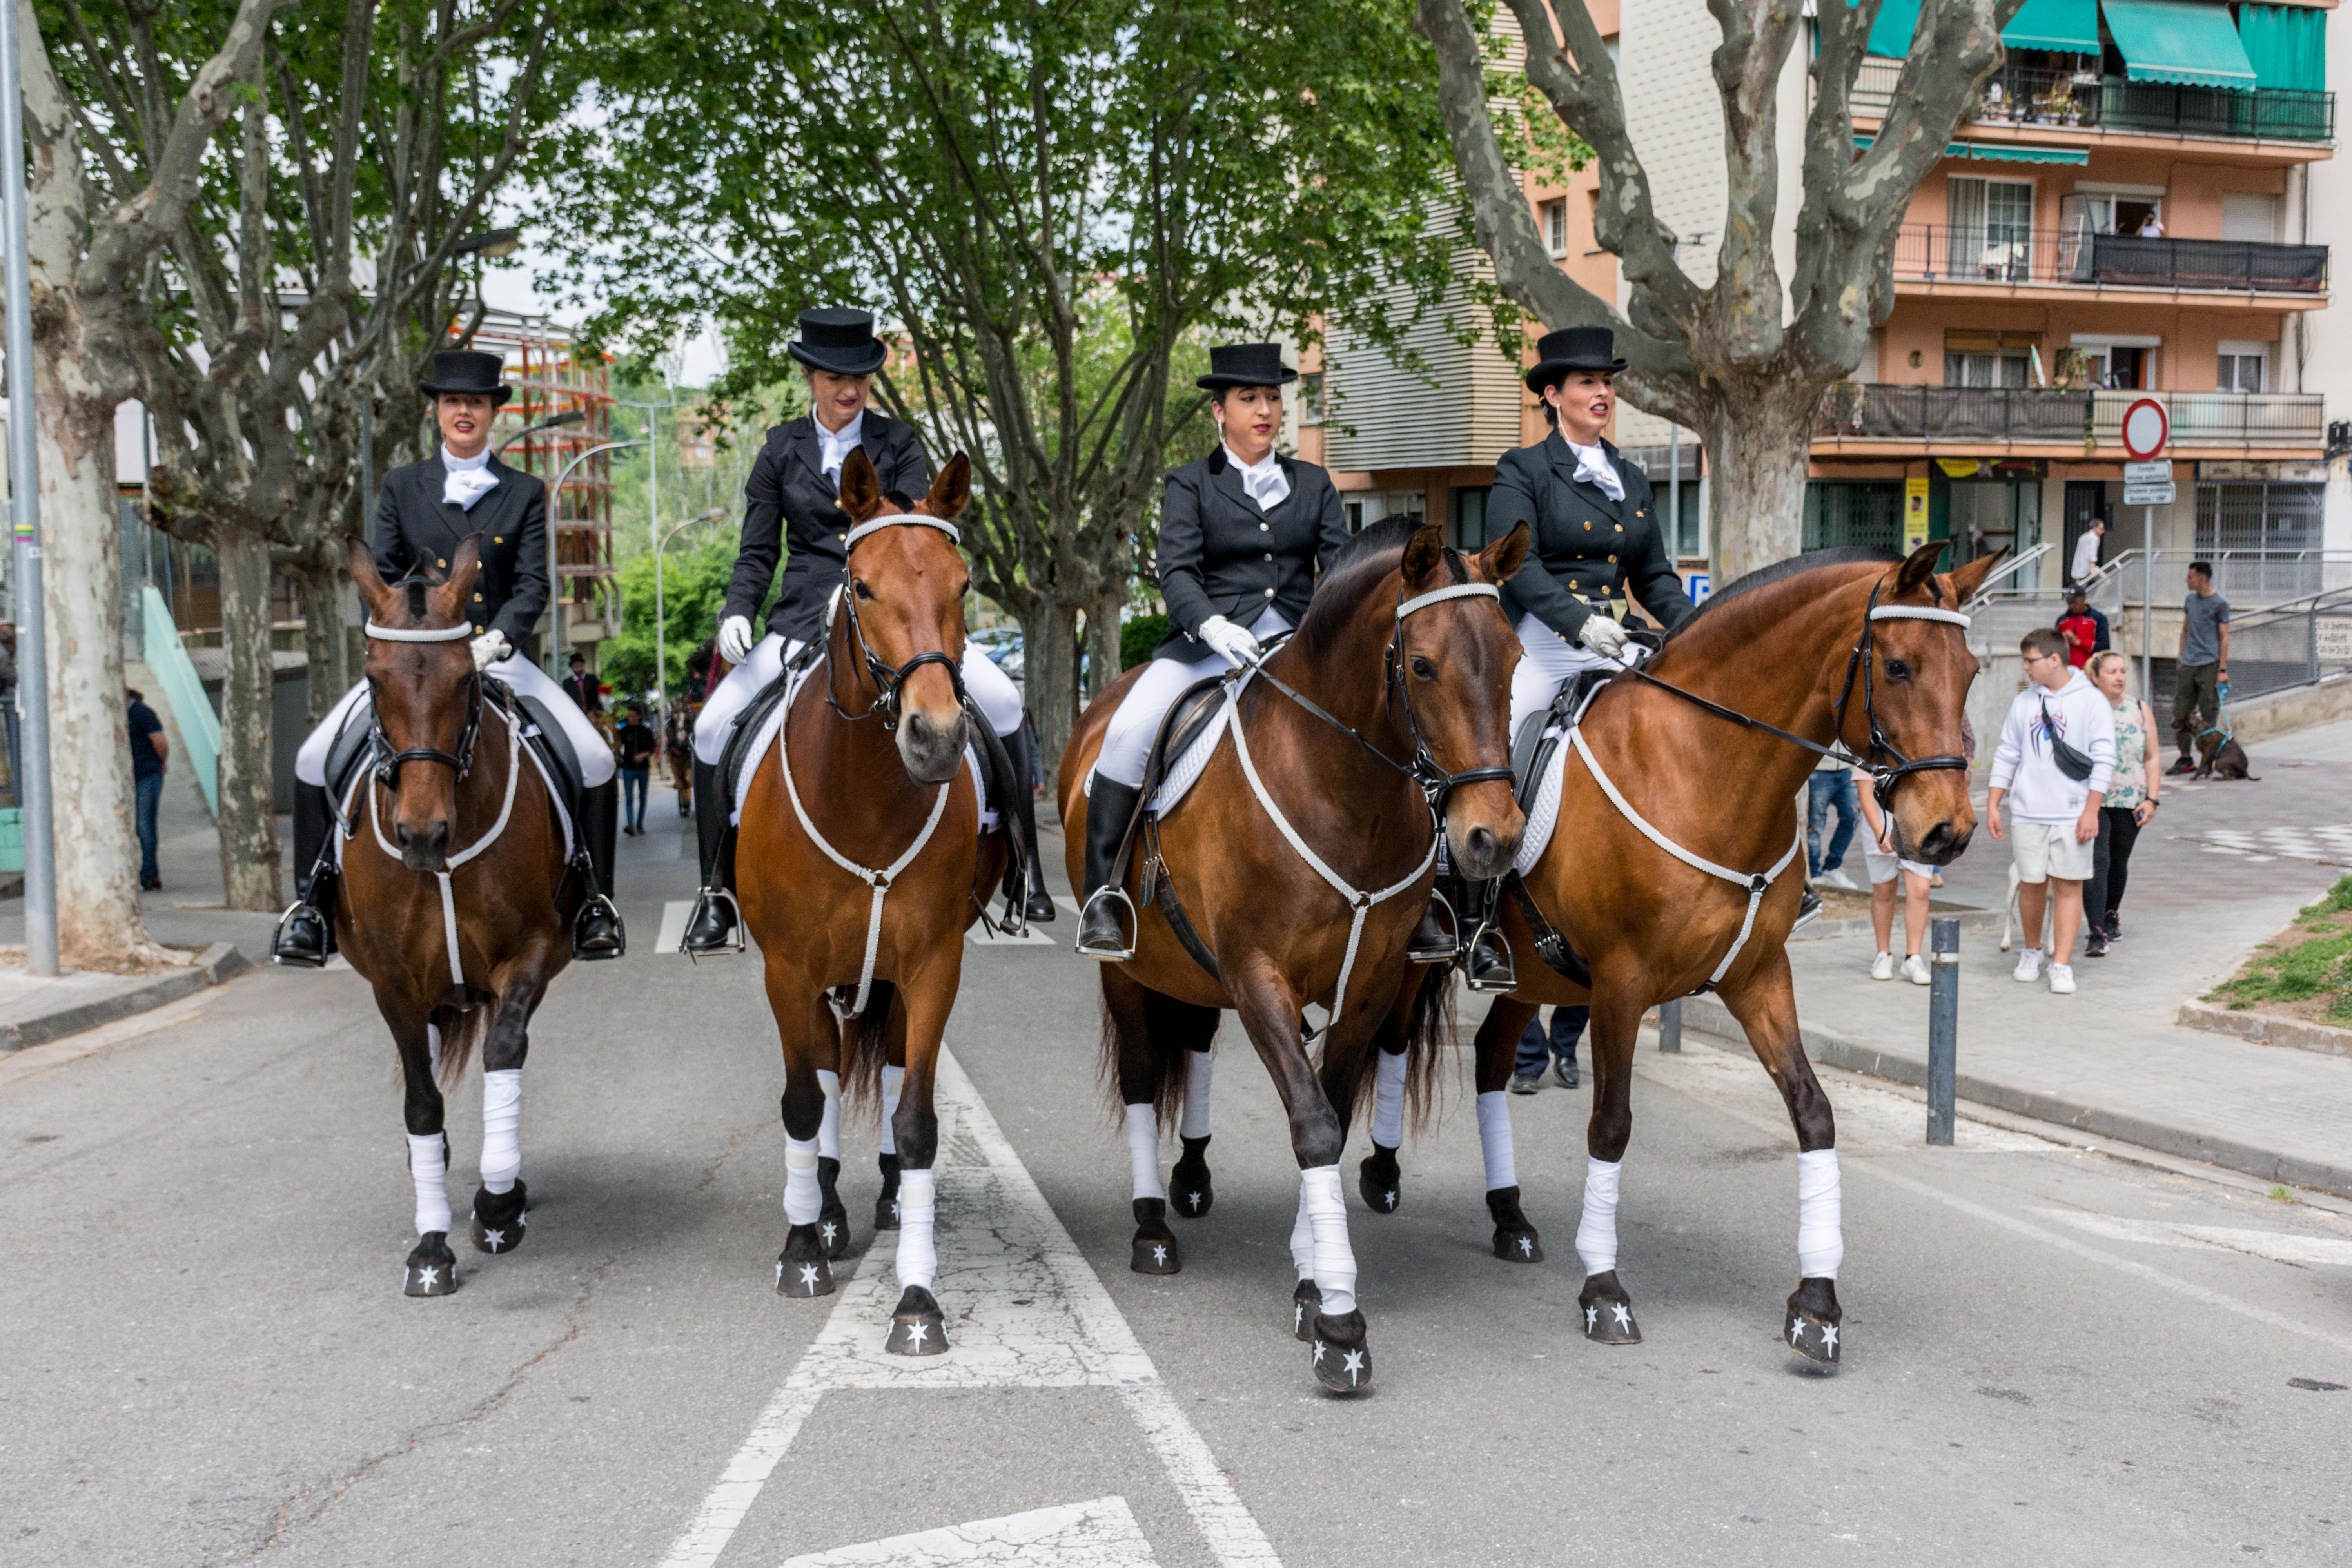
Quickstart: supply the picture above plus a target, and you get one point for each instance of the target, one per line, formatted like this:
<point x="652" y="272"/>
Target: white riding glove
<point x="489" y="649"/>
<point x="1229" y="640"/>
<point x="735" y="639"/>
<point x="1603" y="636"/>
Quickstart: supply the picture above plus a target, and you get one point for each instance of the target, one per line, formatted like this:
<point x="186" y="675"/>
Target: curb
<point x="216" y="966"/>
<point x="2265" y="1029"/>
<point x="1709" y="1016"/>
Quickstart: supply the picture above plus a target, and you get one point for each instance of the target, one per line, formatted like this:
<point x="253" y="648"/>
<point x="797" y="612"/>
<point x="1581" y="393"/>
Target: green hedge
<point x="1139" y="637"/>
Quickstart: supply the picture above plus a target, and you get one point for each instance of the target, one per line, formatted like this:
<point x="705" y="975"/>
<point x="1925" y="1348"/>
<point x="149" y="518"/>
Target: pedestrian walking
<point x="8" y="709"/>
<point x="2202" y="665"/>
<point x="151" y="753"/>
<point x="1558" y="1045"/>
<point x="636" y="747"/>
<point x="2086" y="565"/>
<point x="2131" y="802"/>
<point x="2055" y="759"/>
<point x="1887" y="874"/>
<point x="1830" y="789"/>
<point x="581" y="686"/>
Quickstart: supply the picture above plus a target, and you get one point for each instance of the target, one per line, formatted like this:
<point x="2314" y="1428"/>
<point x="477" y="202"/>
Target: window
<point x="1310" y="398"/>
<point x="1555" y="225"/>
<point x="1990" y="232"/>
<point x="1468" y="504"/>
<point x="2241" y="367"/>
<point x="1990" y="359"/>
<point x="2249" y="218"/>
<point x="2267" y="516"/>
<point x="2117" y="364"/>
<point x="1840" y="512"/>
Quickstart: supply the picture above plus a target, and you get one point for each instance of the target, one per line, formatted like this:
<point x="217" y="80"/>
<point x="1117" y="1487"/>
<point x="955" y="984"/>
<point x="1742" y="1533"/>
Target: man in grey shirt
<point x="2201" y="668"/>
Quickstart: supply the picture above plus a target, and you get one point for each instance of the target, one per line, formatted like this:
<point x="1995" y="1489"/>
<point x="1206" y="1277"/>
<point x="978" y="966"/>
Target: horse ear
<point x="1967" y="579"/>
<point x="1500" y="562"/>
<point x="952" y="491"/>
<point x="367" y="579"/>
<point x="1919" y="566"/>
<point x="861" y="489"/>
<point x="447" y="601"/>
<point x="1422" y="553"/>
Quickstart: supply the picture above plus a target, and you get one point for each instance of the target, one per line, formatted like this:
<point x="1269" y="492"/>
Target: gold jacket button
<point x="1613" y="561"/>
<point x="497" y="539"/>
<point x="1621" y="527"/>
<point x="478" y="598"/>
<point x="440" y="563"/>
<point x="1265" y="528"/>
<point x="1588" y="525"/>
<point x="1269" y="592"/>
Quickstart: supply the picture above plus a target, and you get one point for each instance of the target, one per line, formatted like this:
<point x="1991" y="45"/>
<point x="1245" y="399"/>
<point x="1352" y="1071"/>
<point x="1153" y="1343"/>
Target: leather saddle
<point x="1538" y="741"/>
<point x="1188" y="718"/>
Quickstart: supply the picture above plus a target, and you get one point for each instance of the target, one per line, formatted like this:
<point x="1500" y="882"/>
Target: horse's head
<point x="1917" y="688"/>
<point x="426" y="692"/>
<point x="904" y="604"/>
<point x="1453" y="661"/>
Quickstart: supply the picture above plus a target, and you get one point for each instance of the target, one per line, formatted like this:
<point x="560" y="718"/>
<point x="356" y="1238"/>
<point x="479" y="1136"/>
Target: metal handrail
<point x="2015" y="563"/>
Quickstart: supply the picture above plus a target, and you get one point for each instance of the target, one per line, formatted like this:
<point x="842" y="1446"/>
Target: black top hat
<point x="838" y="339"/>
<point x="1572" y="348"/>
<point x="1246" y="364"/>
<point x="467" y="370"/>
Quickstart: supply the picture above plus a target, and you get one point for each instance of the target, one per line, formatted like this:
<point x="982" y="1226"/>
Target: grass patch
<point x="2306" y="970"/>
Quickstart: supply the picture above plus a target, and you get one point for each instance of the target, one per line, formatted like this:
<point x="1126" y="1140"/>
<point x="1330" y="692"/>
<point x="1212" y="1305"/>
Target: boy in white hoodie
<point x="2056" y="819"/>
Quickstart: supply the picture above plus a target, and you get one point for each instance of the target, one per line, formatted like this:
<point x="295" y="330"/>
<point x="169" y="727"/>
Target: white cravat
<point x="1266" y="482"/>
<point x="1593" y="466"/>
<point x="468" y="479"/>
<point x="834" y="447"/>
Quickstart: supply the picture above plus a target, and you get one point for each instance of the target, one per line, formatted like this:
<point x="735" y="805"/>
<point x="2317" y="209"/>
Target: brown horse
<point x="1405" y="646"/>
<point x="455" y="901"/>
<point x="1853" y="648"/>
<point x="863" y="862"/>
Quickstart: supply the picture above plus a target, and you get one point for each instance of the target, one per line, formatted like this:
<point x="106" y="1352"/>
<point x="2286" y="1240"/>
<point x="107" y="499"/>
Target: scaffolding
<point x="551" y="378"/>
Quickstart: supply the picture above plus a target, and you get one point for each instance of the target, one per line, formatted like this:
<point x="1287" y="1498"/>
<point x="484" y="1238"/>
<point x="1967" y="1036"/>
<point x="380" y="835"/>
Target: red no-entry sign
<point x="2146" y="429"/>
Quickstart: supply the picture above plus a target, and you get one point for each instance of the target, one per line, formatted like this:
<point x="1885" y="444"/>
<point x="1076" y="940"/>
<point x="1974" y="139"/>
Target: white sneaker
<point x="1883" y="967"/>
<point x="1914" y="970"/>
<point x="2061" y="980"/>
<point x="1840" y="881"/>
<point x="2029" y="967"/>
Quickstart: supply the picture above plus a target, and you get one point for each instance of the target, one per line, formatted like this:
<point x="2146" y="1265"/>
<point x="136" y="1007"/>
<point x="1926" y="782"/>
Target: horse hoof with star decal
<point x="1155" y="1245"/>
<point x="499" y="1218"/>
<point x="1608" y="1311"/>
<point x="1812" y="1325"/>
<point x="803" y="1269"/>
<point x="432" y="1267"/>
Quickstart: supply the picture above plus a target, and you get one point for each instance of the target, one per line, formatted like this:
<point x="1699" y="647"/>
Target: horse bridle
<point x="388" y="761"/>
<point x="1424" y="767"/>
<point x="887" y="678"/>
<point x="1884" y="778"/>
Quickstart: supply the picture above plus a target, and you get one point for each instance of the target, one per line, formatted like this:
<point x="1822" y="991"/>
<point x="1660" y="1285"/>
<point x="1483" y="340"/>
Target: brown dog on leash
<point x="2218" y="755"/>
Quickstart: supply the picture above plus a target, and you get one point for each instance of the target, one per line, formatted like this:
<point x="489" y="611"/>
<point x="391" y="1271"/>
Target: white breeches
<point x="992" y="692"/>
<point x="1546" y="660"/>
<point x="597" y="763"/>
<point x="1126" y="741"/>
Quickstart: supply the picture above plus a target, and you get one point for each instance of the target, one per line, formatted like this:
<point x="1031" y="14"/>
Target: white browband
<point x="419" y="634"/>
<point x="1917" y="613"/>
<point x="1438" y="595"/>
<point x="901" y="519"/>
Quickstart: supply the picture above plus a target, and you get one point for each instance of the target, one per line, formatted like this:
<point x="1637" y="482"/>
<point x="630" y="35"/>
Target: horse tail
<point x="462" y="1033"/>
<point x="1173" y="1031"/>
<point x="867" y="1038"/>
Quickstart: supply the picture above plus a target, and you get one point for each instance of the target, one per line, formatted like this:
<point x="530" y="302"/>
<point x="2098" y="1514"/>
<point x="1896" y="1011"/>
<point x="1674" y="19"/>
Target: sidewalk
<point x="2110" y="1060"/>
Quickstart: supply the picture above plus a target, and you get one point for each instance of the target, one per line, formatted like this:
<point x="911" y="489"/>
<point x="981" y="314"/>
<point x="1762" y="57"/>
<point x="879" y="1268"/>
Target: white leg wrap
<point x="1596" y="1234"/>
<point x="1197" y="1072"/>
<point x="1495" y="1140"/>
<point x="1335" y="1260"/>
<point x="918" y="1259"/>
<point x="428" y="1167"/>
<point x="501" y="1130"/>
<point x="828" y="1131"/>
<point x="892" y="1079"/>
<point x="1388" y="1100"/>
<point x="1821" y="1216"/>
<point x="804" y="1201"/>
<point x="1143" y="1151"/>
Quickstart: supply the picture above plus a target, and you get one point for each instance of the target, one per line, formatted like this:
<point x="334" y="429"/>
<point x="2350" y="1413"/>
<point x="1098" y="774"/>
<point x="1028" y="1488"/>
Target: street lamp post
<point x="661" y="645"/>
<point x="555" y="522"/>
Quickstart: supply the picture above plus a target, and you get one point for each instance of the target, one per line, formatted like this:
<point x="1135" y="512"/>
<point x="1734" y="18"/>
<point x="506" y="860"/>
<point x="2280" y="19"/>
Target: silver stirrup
<point x="1134" y="919"/>
<point x="734" y="943"/>
<point x="1490" y="988"/>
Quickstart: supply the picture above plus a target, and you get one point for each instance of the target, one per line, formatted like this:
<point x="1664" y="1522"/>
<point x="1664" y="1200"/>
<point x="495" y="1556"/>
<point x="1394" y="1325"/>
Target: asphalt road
<point x="2052" y="1353"/>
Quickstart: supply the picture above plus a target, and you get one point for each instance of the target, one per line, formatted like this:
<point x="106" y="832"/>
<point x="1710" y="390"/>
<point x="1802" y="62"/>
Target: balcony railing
<point x="1994" y="254"/>
<point x="2085" y="101"/>
<point x="1878" y="411"/>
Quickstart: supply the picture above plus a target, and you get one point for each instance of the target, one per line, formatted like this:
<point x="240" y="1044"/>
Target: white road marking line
<point x="1098" y="1534"/>
<point x="1067" y="901"/>
<point x="2282" y="1247"/>
<point x="1026" y="1311"/>
<point x="675" y="912"/>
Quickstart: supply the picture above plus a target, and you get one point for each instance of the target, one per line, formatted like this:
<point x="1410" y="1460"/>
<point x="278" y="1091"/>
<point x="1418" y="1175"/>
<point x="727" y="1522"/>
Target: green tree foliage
<point x="1139" y="637"/>
<point x="694" y="585"/>
<point x="1048" y="204"/>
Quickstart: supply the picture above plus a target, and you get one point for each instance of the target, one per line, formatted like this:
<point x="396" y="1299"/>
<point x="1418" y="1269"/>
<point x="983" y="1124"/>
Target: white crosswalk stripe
<point x="2330" y="845"/>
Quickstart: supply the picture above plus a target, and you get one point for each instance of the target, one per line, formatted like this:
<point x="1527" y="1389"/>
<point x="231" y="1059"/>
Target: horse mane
<point x="1781" y="571"/>
<point x="1362" y="564"/>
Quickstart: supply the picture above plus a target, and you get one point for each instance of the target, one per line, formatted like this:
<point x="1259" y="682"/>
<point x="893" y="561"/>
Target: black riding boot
<point x="596" y="930"/>
<point x="1487" y="966"/>
<point x="1027" y="881"/>
<point x="1108" y="811"/>
<point x="1438" y="938"/>
<point x="712" y="927"/>
<point x="305" y="937"/>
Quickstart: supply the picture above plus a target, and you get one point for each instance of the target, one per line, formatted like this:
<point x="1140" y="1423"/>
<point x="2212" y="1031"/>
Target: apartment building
<point x="2138" y="206"/>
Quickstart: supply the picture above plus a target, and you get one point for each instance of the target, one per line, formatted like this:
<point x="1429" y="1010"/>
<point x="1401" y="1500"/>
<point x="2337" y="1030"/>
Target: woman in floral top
<point x="2131" y="800"/>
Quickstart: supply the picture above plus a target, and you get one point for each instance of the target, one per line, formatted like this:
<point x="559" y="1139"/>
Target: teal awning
<point x="2070" y="27"/>
<point x="2286" y="45"/>
<point x="2001" y="151"/>
<point x="2190" y="42"/>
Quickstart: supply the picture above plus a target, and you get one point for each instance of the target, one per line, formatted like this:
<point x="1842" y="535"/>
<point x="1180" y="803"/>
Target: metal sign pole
<point x="2148" y="606"/>
<point x="24" y="527"/>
